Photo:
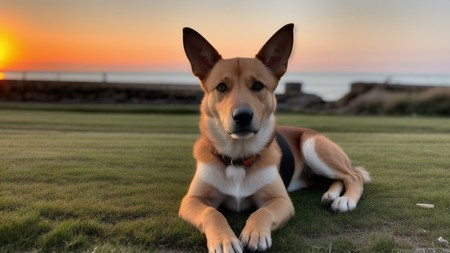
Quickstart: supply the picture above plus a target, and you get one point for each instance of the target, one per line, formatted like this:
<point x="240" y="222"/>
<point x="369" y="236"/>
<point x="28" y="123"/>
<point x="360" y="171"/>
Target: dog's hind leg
<point x="326" y="158"/>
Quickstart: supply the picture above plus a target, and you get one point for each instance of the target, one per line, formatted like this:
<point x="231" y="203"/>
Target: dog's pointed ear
<point x="275" y="53"/>
<point x="201" y="54"/>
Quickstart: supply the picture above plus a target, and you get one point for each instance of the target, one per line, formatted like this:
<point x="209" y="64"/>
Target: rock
<point x="294" y="98"/>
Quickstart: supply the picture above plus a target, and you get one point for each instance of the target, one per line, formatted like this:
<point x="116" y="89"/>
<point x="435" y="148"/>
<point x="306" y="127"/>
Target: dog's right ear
<point x="202" y="55"/>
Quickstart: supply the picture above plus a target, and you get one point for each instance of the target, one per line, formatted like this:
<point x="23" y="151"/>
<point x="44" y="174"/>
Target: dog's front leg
<point x="198" y="210"/>
<point x="272" y="214"/>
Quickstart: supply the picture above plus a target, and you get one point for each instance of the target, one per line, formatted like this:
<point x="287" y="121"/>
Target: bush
<point x="433" y="101"/>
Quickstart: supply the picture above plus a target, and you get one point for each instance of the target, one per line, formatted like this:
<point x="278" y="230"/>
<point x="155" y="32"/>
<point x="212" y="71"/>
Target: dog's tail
<point x="364" y="174"/>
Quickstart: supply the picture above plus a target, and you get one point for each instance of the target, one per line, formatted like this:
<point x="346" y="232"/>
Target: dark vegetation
<point x="363" y="98"/>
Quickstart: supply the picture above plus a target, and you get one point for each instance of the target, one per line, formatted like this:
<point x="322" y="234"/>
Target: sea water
<point x="329" y="86"/>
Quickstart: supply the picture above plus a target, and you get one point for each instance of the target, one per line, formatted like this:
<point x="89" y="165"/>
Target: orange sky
<point x="118" y="35"/>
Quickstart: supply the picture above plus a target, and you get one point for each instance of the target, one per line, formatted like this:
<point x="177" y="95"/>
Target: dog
<point x="244" y="159"/>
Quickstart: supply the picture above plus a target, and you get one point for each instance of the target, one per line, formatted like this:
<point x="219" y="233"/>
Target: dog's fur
<point x="237" y="123"/>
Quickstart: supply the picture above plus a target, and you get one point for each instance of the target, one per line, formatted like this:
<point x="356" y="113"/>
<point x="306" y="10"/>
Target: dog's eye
<point x="257" y="86"/>
<point x="221" y="87"/>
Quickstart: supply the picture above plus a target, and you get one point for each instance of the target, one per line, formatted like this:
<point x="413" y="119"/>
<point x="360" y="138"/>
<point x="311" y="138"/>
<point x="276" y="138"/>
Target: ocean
<point x="329" y="86"/>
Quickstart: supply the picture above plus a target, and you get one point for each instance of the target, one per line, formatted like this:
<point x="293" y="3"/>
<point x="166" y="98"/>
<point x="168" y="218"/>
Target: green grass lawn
<point x="111" y="180"/>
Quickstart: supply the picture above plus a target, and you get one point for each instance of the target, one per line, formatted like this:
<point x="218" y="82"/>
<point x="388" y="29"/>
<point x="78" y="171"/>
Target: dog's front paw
<point x="256" y="240"/>
<point x="343" y="204"/>
<point x="225" y="244"/>
<point x="329" y="197"/>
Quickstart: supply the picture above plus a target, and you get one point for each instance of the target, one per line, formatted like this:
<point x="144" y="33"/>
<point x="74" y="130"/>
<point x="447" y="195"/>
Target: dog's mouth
<point x="243" y="133"/>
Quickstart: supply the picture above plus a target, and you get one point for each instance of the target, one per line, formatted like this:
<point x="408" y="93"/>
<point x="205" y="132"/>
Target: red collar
<point x="244" y="162"/>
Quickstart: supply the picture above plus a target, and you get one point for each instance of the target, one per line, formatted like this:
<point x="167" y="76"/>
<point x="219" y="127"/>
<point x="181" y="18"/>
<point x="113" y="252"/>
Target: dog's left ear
<point x="275" y="53"/>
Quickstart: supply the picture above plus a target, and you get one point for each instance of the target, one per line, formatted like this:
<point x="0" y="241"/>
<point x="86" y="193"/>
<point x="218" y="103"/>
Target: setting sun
<point x="3" y="52"/>
<point x="6" y="52"/>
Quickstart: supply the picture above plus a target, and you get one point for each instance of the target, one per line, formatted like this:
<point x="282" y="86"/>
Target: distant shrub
<point x="433" y="101"/>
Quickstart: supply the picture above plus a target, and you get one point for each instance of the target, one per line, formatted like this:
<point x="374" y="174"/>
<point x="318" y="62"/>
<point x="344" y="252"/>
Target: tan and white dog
<point x="242" y="155"/>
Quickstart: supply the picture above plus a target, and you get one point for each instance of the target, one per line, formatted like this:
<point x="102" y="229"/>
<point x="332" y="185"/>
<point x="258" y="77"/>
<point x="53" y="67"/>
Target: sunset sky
<point x="144" y="35"/>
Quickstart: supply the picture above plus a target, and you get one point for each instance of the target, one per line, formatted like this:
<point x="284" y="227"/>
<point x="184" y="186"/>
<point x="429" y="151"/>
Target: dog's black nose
<point x="243" y="116"/>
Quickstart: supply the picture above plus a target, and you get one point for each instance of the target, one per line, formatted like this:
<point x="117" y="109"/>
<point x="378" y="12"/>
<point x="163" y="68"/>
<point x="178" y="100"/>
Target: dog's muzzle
<point x="243" y="127"/>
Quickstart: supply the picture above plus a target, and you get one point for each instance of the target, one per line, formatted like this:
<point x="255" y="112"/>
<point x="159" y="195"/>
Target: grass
<point x="112" y="180"/>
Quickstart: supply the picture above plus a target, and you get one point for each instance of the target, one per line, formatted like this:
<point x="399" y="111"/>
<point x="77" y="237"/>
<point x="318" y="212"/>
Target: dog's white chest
<point x="235" y="175"/>
<point x="235" y="182"/>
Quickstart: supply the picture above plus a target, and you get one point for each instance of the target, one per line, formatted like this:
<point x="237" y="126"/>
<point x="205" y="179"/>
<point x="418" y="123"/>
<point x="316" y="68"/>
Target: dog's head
<point x="239" y="92"/>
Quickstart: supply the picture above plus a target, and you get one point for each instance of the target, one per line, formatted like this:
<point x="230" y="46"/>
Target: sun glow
<point x="6" y="52"/>
<point x="3" y="52"/>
